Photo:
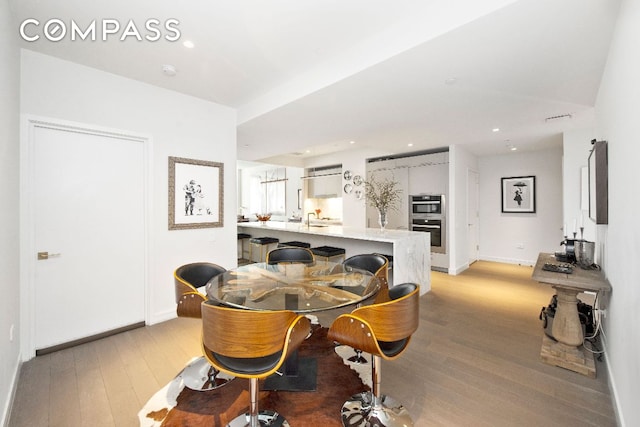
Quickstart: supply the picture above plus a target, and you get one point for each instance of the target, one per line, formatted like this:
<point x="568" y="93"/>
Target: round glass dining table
<point x="323" y="289"/>
<point x="298" y="287"/>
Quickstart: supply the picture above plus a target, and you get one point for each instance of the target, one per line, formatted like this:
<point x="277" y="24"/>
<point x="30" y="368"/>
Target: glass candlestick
<point x="581" y="233"/>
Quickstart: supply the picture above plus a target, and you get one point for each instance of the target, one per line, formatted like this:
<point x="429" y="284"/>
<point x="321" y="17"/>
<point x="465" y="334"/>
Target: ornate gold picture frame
<point x="196" y="194"/>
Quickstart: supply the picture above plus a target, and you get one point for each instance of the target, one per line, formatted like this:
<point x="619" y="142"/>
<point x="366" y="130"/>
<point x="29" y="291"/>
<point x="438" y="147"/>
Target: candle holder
<point x="581" y="233"/>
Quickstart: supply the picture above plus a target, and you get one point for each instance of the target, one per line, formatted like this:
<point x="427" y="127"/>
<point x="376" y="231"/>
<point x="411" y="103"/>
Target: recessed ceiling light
<point x="188" y="44"/>
<point x="495" y="130"/>
<point x="307" y="151"/>
<point x="169" y="70"/>
<point x="410" y="144"/>
<point x="509" y="145"/>
<point x="451" y="81"/>
<point x="352" y="142"/>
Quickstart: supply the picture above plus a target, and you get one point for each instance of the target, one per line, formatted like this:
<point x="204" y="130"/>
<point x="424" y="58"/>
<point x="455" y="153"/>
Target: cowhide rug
<point x="338" y="379"/>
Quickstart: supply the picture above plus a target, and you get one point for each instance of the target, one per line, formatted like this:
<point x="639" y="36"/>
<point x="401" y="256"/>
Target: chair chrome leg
<point x="360" y="411"/>
<point x="371" y="408"/>
<point x="358" y="358"/>
<point x="265" y="419"/>
<point x="199" y="375"/>
<point x="254" y="418"/>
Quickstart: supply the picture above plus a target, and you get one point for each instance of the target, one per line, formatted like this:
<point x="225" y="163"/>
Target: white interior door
<point x="88" y="215"/>
<point x="472" y="215"/>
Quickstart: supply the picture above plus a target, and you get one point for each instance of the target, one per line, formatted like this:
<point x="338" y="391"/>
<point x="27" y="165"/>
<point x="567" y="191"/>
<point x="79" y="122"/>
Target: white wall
<point x="460" y="162"/>
<point x="294" y="183"/>
<point x="9" y="219"/>
<point x="501" y="233"/>
<point x="576" y="146"/>
<point x="178" y="125"/>
<point x="617" y="108"/>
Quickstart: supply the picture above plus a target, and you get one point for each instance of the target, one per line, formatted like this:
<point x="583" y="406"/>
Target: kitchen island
<point x="410" y="250"/>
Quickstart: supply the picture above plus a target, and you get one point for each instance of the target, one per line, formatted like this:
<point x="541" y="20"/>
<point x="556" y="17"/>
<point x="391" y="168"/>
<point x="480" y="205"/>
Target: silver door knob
<point x="47" y="255"/>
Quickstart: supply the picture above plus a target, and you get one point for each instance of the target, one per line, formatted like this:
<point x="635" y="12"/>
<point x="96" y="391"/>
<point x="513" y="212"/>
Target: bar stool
<point x="328" y="252"/>
<point x="295" y="244"/>
<point x="241" y="238"/>
<point x="262" y="243"/>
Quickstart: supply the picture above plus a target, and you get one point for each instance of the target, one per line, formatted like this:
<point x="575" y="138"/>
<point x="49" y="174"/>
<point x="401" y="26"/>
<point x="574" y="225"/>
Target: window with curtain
<point x="269" y="192"/>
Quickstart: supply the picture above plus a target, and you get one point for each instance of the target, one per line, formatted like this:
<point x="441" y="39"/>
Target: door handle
<point x="47" y="255"/>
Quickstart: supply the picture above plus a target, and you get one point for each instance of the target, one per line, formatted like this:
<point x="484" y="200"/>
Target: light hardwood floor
<point x="474" y="361"/>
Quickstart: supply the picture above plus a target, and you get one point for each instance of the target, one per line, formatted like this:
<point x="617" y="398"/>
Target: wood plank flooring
<point x="474" y="361"/>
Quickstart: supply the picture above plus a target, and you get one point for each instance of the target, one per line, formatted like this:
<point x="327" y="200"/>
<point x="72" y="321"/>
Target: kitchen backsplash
<point x="330" y="208"/>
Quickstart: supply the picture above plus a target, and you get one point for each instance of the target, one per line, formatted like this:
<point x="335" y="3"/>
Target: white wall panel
<point x="178" y="125"/>
<point x="617" y="109"/>
<point x="520" y="237"/>
<point x="9" y="214"/>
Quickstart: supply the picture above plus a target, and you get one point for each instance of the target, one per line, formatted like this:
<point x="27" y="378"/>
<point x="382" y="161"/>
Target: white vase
<point x="382" y="219"/>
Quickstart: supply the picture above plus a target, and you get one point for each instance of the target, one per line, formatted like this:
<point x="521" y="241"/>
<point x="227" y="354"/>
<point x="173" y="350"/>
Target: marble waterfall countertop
<point x="359" y="233"/>
<point x="410" y="249"/>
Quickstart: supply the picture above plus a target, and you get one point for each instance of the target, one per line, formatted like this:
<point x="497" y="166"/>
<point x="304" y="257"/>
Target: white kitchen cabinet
<point x="429" y="174"/>
<point x="325" y="186"/>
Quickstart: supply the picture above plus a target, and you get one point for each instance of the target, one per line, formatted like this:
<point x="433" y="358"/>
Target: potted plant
<point x="382" y="195"/>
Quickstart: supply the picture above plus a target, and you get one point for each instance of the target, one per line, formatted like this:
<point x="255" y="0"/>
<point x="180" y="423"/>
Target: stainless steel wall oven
<point x="427" y="204"/>
<point x="427" y="214"/>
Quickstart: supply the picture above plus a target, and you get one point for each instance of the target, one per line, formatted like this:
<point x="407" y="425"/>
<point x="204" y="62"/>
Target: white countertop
<point x="372" y="234"/>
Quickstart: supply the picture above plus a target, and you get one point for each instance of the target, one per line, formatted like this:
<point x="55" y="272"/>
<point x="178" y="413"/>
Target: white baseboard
<point x="459" y="270"/>
<point x="6" y="412"/>
<point x="612" y="385"/>
<point x="510" y="260"/>
<point x="162" y="317"/>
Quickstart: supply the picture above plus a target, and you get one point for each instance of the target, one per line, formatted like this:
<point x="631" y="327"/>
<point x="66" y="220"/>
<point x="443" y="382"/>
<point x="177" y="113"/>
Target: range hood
<point x="323" y="183"/>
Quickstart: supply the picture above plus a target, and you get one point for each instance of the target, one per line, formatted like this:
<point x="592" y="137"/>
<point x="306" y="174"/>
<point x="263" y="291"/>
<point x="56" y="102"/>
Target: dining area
<point x="281" y="334"/>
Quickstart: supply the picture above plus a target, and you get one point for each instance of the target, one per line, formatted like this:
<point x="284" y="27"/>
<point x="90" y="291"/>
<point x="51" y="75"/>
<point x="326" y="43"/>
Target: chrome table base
<point x="359" y="411"/>
<point x="199" y="375"/>
<point x="265" y="419"/>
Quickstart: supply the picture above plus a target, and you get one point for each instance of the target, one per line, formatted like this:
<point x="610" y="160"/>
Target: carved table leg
<point x="567" y="351"/>
<point x="566" y="323"/>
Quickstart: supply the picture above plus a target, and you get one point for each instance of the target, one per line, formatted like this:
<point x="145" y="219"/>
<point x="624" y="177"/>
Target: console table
<point x="568" y="352"/>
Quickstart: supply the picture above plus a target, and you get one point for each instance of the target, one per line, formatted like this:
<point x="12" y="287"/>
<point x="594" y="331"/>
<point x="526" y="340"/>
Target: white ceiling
<point x="314" y="75"/>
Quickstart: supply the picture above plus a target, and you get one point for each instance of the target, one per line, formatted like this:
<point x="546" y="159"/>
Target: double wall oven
<point x="427" y="214"/>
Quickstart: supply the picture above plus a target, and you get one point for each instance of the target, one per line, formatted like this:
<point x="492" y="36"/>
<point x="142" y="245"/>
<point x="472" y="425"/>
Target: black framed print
<point x="519" y="194"/>
<point x="196" y="194"/>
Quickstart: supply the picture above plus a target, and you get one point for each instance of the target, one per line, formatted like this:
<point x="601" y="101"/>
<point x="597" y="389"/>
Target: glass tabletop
<point x="298" y="287"/>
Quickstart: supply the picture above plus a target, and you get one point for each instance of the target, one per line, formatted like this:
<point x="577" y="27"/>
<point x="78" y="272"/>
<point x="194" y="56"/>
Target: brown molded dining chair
<point x="188" y="278"/>
<point x="383" y="330"/>
<point x="378" y="266"/>
<point x="290" y="255"/>
<point x="251" y="344"/>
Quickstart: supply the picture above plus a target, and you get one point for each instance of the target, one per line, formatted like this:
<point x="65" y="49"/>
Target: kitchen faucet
<point x="308" y="220"/>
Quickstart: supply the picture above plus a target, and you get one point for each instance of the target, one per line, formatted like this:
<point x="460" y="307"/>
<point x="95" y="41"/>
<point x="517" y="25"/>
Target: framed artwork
<point x="196" y="194"/>
<point x="519" y="194"/>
